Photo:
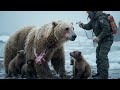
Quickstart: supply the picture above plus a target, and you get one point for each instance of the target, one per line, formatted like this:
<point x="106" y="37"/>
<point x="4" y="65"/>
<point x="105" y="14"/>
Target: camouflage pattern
<point x="102" y="30"/>
<point x="102" y="58"/>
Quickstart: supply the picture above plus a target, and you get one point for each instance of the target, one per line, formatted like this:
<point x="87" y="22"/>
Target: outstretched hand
<point x="80" y="24"/>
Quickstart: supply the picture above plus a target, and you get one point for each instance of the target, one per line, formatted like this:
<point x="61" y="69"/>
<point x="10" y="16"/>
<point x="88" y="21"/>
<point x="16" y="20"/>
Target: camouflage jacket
<point x="100" y="26"/>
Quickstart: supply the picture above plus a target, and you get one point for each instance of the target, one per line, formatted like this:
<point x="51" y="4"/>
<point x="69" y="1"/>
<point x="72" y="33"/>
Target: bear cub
<point x="28" y="70"/>
<point x="81" y="69"/>
<point x="16" y="64"/>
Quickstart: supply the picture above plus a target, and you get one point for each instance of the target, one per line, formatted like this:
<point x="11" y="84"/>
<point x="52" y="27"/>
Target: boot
<point x="96" y="75"/>
<point x="103" y="75"/>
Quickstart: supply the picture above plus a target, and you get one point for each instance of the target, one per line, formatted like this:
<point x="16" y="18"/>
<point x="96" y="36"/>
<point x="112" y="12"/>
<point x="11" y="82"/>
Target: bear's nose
<point x="70" y="54"/>
<point x="74" y="36"/>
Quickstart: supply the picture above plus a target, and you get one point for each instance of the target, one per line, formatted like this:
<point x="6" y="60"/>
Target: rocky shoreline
<point x="113" y="73"/>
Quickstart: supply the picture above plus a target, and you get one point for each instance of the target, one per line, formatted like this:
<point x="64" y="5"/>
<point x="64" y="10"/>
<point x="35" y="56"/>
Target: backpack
<point x="113" y="25"/>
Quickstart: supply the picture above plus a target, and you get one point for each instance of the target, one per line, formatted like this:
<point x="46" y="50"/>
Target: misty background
<point x="11" y="21"/>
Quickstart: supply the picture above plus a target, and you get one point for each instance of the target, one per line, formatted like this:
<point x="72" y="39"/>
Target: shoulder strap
<point x="106" y="16"/>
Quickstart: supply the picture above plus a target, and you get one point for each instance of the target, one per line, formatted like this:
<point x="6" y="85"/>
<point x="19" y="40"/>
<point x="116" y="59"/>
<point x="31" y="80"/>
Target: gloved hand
<point x="81" y="24"/>
<point x="96" y="40"/>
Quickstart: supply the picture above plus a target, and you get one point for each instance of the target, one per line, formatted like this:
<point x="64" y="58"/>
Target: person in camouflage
<point x="104" y="37"/>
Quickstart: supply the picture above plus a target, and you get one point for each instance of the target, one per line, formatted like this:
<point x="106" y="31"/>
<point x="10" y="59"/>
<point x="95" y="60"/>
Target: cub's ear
<point x="72" y="23"/>
<point x="79" y="53"/>
<point x="54" y="24"/>
<point x="24" y="53"/>
<point x="30" y="61"/>
<point x="18" y="52"/>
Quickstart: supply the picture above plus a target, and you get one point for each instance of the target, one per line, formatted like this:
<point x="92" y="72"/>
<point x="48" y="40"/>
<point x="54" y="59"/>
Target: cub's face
<point x="64" y="31"/>
<point x="75" y="54"/>
<point x="30" y="62"/>
<point x="21" y="53"/>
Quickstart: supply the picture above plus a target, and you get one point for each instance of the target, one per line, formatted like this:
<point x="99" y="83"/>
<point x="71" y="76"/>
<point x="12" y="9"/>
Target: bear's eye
<point x="67" y="29"/>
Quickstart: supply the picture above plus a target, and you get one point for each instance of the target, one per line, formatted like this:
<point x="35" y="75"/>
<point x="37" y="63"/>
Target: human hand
<point x="80" y="24"/>
<point x="96" y="40"/>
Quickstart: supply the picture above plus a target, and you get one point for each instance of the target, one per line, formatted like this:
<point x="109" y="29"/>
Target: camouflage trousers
<point x="102" y="58"/>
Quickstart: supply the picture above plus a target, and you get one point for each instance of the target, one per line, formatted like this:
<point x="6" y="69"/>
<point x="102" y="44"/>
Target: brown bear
<point x="28" y="70"/>
<point x="43" y="44"/>
<point x="16" y="64"/>
<point x="81" y="69"/>
<point x="15" y="43"/>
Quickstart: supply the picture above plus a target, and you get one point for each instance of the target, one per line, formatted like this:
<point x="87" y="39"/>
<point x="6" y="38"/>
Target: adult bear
<point x="44" y="44"/>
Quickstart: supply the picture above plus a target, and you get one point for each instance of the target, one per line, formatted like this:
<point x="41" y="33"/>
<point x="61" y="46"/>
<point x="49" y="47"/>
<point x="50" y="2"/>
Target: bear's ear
<point x="24" y="53"/>
<point x="72" y="23"/>
<point x="29" y="62"/>
<point x="54" y="24"/>
<point x="18" y="52"/>
<point x="79" y="53"/>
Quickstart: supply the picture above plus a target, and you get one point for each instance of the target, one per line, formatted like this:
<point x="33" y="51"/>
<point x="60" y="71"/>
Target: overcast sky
<point x="10" y="21"/>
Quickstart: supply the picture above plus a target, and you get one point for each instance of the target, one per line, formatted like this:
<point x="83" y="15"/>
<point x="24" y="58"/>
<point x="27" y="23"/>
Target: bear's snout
<point x="73" y="37"/>
<point x="70" y="54"/>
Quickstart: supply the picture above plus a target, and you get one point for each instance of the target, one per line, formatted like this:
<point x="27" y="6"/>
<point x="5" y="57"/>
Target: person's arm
<point x="105" y="26"/>
<point x="87" y="26"/>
